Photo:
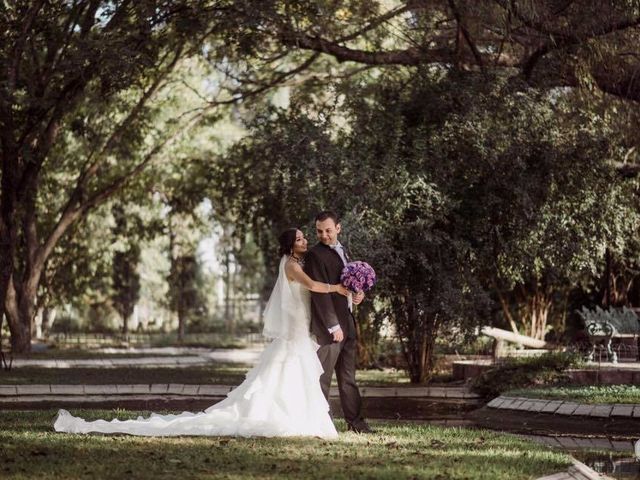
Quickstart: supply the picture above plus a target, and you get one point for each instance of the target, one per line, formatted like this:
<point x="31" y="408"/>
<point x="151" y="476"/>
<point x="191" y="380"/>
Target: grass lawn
<point x="220" y="373"/>
<point x="31" y="449"/>
<point x="583" y="394"/>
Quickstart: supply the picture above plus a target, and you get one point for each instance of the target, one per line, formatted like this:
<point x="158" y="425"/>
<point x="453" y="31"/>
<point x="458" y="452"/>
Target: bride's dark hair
<point x="287" y="239"/>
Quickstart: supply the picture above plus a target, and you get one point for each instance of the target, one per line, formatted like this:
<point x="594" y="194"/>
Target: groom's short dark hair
<point x="325" y="214"/>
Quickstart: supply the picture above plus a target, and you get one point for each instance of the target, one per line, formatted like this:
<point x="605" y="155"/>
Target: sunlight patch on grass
<point x="399" y="450"/>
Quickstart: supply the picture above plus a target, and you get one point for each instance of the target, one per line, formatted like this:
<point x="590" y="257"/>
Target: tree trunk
<point x="21" y="307"/>
<point x="181" y="309"/>
<point x="417" y="335"/>
<point x="21" y="339"/>
<point x="507" y="311"/>
<point x="48" y="317"/>
<point x="20" y="310"/>
<point x="229" y="308"/>
<point x="181" y="322"/>
<point x="539" y="306"/>
<point x="607" y="288"/>
<point x="6" y="266"/>
<point x="368" y="335"/>
<point x="19" y="327"/>
<point x="427" y="363"/>
<point x="125" y="324"/>
<point x="8" y="236"/>
<point x="421" y="359"/>
<point x="19" y="295"/>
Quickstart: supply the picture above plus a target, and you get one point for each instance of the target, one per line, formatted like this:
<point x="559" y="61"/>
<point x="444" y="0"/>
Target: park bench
<point x="602" y="326"/>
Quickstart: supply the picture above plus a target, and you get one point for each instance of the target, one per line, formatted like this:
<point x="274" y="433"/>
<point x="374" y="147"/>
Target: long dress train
<point x="281" y="395"/>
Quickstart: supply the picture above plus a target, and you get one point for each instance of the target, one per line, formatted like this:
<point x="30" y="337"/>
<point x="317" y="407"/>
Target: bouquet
<point x="358" y="276"/>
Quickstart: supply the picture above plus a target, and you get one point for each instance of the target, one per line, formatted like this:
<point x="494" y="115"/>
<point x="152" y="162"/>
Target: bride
<point x="281" y="395"/>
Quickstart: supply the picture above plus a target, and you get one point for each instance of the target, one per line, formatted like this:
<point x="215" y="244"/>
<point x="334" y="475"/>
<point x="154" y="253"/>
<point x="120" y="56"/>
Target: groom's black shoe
<point x="360" y="427"/>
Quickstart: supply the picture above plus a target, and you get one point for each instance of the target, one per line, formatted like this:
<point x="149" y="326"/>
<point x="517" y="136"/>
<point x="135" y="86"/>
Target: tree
<point x="78" y="272"/>
<point x="404" y="217"/>
<point x="454" y="186"/>
<point x="183" y="290"/>
<point x="126" y="283"/>
<point x="553" y="43"/>
<point x="85" y="81"/>
<point x="79" y="74"/>
<point x="540" y="197"/>
<point x="125" y="276"/>
<point x="243" y="267"/>
<point x="307" y="173"/>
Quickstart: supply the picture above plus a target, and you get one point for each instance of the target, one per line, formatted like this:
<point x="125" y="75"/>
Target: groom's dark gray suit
<point x="324" y="264"/>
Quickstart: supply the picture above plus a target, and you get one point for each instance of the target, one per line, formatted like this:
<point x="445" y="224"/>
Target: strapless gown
<point x="281" y="396"/>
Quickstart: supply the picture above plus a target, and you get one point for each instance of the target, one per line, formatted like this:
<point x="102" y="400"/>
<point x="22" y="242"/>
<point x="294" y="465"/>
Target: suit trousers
<point x="341" y="357"/>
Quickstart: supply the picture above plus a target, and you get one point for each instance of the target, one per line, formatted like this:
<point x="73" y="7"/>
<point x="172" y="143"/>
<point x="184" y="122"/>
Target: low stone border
<point x="574" y="443"/>
<point x="560" y="407"/>
<point x="26" y="391"/>
<point x="604" y="373"/>
<point x="577" y="471"/>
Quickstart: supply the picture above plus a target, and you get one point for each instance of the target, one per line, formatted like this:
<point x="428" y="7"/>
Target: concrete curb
<point x="577" y="471"/>
<point x="559" y="407"/>
<point x="566" y="442"/>
<point x="16" y="393"/>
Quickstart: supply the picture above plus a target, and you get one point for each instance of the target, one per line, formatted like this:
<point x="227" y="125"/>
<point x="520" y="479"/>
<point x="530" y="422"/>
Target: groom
<point x="332" y="322"/>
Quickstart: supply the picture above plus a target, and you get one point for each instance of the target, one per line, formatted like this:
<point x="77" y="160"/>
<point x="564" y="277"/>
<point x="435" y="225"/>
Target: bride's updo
<point x="287" y="239"/>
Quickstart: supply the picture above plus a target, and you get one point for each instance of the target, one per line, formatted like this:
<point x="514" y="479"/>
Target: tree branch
<point x="12" y="74"/>
<point x="466" y="35"/>
<point x="561" y="40"/>
<point x="238" y="95"/>
<point x="91" y="167"/>
<point x="411" y="56"/>
<point x="76" y="207"/>
<point x="382" y="19"/>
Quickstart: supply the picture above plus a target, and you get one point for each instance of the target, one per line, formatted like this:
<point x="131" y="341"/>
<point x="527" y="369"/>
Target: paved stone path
<point x="577" y="471"/>
<point x="575" y="443"/>
<point x="247" y="356"/>
<point x="100" y="393"/>
<point x="560" y="407"/>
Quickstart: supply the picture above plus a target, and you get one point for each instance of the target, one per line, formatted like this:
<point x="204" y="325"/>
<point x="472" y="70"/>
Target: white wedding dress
<point x="281" y="395"/>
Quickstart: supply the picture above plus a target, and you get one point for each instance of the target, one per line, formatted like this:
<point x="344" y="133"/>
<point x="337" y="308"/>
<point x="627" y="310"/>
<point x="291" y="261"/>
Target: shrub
<point x="524" y="372"/>
<point x="66" y="324"/>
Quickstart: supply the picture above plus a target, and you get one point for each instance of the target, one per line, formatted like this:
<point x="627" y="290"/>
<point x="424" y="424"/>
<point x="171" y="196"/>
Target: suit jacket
<point x="323" y="264"/>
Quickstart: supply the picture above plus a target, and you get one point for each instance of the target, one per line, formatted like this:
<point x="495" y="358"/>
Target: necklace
<point x="299" y="261"/>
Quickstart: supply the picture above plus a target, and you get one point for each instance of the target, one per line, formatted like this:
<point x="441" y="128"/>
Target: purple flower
<point x="358" y="276"/>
